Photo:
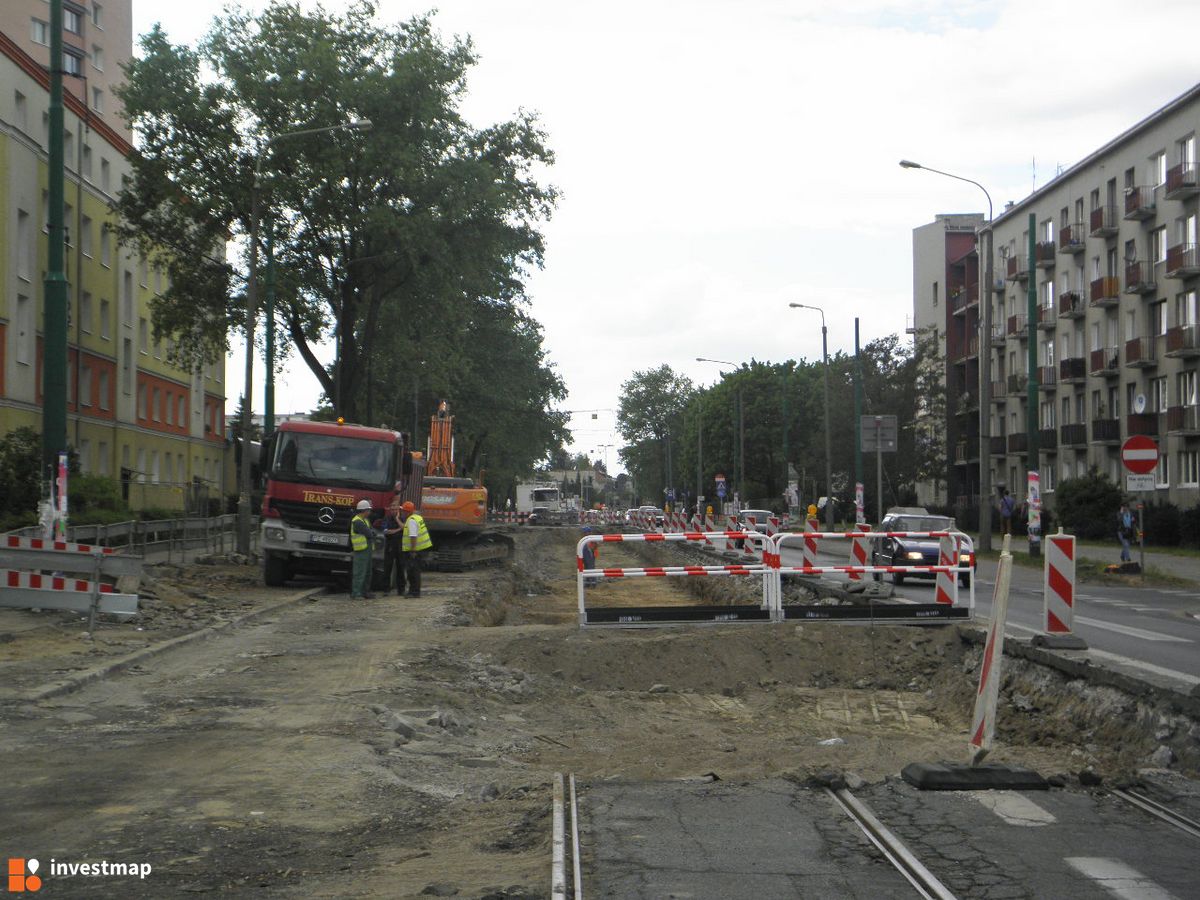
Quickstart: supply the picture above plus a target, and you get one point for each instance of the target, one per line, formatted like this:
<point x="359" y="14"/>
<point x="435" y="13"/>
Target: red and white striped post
<point x="1058" y="595"/>
<point x="983" y="725"/>
<point x="810" y="544"/>
<point x="946" y="590"/>
<point x="858" y="552"/>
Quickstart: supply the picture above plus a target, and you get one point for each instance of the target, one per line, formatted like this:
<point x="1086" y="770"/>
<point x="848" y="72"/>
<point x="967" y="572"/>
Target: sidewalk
<point x="1179" y="564"/>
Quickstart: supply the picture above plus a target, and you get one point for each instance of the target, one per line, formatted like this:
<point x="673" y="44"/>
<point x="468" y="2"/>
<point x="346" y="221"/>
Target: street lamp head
<point x="909" y="164"/>
<point x="361" y="124"/>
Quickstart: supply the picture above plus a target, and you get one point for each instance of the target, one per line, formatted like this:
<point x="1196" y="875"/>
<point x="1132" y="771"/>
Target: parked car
<point x="759" y="516"/>
<point x="918" y="551"/>
<point x="653" y="515"/>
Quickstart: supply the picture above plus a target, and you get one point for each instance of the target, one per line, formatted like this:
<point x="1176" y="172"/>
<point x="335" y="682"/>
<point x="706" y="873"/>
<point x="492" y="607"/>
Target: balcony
<point x="966" y="404"/>
<point x="1142" y="423"/>
<point x="1047" y="378"/>
<point x="1104" y="362"/>
<point x="1073" y="435"/>
<point x="998" y="284"/>
<point x="1184" y="420"/>
<point x="1048" y="439"/>
<point x="1139" y="202"/>
<point x="966" y="453"/>
<point x="1139" y="353"/>
<point x="1072" y="238"/>
<point x="1105" y="292"/>
<point x="1181" y="182"/>
<point x="1043" y="254"/>
<point x="1106" y="431"/>
<point x="1071" y="305"/>
<point x="998" y="445"/>
<point x="1017" y="443"/>
<point x="966" y="350"/>
<point x="1182" y="261"/>
<point x="1015" y="269"/>
<point x="962" y="299"/>
<point x="1047" y="318"/>
<point x="1017" y="326"/>
<point x="1017" y="384"/>
<point x="998" y="392"/>
<point x="998" y="335"/>
<point x="1183" y="341"/>
<point x="1103" y="221"/>
<point x="1139" y="277"/>
<point x="1072" y="370"/>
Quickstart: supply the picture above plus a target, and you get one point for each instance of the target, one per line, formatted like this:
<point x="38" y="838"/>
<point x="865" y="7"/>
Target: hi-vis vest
<point x="358" y="541"/>
<point x="423" y="541"/>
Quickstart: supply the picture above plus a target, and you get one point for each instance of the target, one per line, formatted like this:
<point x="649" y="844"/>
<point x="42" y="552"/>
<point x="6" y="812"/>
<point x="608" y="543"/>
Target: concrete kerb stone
<point x="75" y="682"/>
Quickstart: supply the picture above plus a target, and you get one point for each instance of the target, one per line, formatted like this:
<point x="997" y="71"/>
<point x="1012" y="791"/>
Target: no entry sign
<point x="1139" y="454"/>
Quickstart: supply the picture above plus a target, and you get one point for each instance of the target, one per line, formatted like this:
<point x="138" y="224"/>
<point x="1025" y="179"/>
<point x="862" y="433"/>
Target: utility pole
<point x="1031" y="389"/>
<point x="858" y="398"/>
<point x="54" y="324"/>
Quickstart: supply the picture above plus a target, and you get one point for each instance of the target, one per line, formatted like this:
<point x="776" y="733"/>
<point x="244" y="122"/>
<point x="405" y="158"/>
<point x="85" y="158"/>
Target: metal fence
<point x="172" y="539"/>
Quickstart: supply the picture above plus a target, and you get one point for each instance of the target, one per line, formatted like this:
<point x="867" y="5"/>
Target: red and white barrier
<point x="13" y="542"/>
<point x="858" y="553"/>
<point x="983" y="725"/>
<point x="1058" y="595"/>
<point x="33" y="581"/>
<point x="946" y="585"/>
<point x="810" y="543"/>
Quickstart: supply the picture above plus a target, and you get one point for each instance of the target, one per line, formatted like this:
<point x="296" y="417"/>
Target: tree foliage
<point x="407" y="246"/>
<point x="650" y="417"/>
<point x="1087" y="506"/>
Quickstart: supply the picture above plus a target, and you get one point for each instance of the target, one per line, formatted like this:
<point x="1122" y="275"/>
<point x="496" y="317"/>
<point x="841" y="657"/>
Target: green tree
<point x="20" y="471"/>
<point x="1087" y="506"/>
<point x="650" y="411"/>
<point x="424" y="220"/>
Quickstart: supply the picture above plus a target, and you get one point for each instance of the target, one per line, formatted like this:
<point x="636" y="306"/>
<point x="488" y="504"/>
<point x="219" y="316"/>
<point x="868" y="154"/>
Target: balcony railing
<point x="1105" y="361"/>
<point x="1073" y="435"/>
<point x="1017" y="384"/>
<point x="1103" y="221"/>
<point x="1017" y="326"/>
<point x="1106" y="431"/>
<point x="1142" y="423"/>
<point x="1184" y="420"/>
<point x="1182" y="261"/>
<point x="1139" y="277"/>
<point x="1047" y="439"/>
<point x="966" y="452"/>
<point x="998" y="284"/>
<point x="1106" y="291"/>
<point x="1047" y="378"/>
<point x="999" y="392"/>
<point x="1072" y="370"/>
<point x="1072" y="238"/>
<point x="1017" y="443"/>
<point x="1139" y="202"/>
<point x="1181" y="181"/>
<point x="1043" y="254"/>
<point x="1139" y="353"/>
<point x="1183" y="341"/>
<point x="1047" y="317"/>
<point x="1071" y="305"/>
<point x="998" y="445"/>
<point x="1015" y="268"/>
<point x="958" y="302"/>
<point x="998" y="334"/>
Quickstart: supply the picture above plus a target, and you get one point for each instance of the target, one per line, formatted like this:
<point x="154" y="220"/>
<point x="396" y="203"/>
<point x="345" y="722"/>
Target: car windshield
<point x="922" y="523"/>
<point x="333" y="460"/>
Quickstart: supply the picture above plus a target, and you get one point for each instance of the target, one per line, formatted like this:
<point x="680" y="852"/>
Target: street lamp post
<point x="985" y="368"/>
<point x="828" y="442"/>
<point x="243" y="536"/>
<point x="741" y="460"/>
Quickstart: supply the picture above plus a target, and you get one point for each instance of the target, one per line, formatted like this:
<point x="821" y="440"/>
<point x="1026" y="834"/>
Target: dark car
<point x="918" y="551"/>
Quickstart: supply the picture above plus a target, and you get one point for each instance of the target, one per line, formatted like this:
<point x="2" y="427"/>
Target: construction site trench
<point x="309" y="745"/>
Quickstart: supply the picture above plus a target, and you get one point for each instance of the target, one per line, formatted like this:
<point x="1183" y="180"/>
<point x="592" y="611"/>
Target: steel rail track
<point x="566" y="808"/>
<point x="893" y="849"/>
<point x="1156" y="809"/>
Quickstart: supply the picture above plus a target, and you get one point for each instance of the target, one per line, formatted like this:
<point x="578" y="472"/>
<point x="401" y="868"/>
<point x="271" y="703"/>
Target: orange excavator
<point x="455" y="508"/>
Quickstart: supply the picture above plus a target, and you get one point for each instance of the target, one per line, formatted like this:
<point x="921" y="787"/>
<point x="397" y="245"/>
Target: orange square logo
<point x="18" y="881"/>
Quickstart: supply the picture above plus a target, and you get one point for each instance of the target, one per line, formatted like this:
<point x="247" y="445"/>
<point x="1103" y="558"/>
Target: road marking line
<point x="1118" y="879"/>
<point x="1130" y="631"/>
<point x="1014" y="808"/>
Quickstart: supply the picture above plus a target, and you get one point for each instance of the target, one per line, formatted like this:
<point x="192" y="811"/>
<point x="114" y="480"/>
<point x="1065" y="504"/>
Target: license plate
<point x="335" y="539"/>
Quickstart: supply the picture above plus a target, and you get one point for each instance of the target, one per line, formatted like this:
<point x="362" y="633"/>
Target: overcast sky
<point x="719" y="159"/>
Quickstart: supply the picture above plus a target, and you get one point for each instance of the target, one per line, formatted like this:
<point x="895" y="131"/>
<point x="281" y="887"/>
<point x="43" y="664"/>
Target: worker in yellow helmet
<point x="415" y="546"/>
<point x="362" y="536"/>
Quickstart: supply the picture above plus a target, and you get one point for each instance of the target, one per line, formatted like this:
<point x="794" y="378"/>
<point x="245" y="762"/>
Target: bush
<point x="1189" y="528"/>
<point x="20" y="472"/>
<point x="90" y="493"/>
<point x="1162" y="524"/>
<point x="1087" y="507"/>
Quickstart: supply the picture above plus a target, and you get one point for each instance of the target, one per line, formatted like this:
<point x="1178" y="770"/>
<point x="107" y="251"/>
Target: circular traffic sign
<point x="1139" y="454"/>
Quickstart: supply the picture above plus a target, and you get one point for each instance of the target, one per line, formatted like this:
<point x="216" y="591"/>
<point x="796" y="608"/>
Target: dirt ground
<point x="412" y="743"/>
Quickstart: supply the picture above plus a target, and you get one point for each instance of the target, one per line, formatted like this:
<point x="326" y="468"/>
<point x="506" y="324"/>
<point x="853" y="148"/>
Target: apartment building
<point x="129" y="407"/>
<point x="97" y="42"/>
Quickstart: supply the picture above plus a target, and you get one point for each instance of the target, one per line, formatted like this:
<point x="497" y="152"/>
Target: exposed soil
<point x="404" y="748"/>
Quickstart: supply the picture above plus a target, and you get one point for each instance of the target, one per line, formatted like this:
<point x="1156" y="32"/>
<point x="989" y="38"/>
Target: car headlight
<point x="276" y="534"/>
<point x="914" y="554"/>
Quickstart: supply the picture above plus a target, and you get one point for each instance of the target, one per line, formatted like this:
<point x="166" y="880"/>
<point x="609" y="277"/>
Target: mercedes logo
<point x="325" y="515"/>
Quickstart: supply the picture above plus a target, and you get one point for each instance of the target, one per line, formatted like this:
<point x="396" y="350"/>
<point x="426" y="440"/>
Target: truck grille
<point x="297" y="514"/>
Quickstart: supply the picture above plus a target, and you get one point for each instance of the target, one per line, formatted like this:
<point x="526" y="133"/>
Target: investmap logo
<point x="22" y="876"/>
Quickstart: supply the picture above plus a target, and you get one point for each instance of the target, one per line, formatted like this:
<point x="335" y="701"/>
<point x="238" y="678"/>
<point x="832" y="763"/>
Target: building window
<point x="40" y="32"/>
<point x="143" y="336"/>
<point x="85" y="312"/>
<point x="1162" y="474"/>
<point x="102" y="453"/>
<point x="1158" y="245"/>
<point x="85" y="236"/>
<point x="105" y="247"/>
<point x="24" y="244"/>
<point x="104" y="390"/>
<point x="156" y="406"/>
<point x="85" y="456"/>
<point x="105" y="315"/>
<point x="85" y="386"/>
<point x="72" y="21"/>
<point x="1189" y="468"/>
<point x="170" y="405"/>
<point x="1185" y="308"/>
<point x="143" y="273"/>
<point x="1158" y="318"/>
<point x="181" y="418"/>
<point x="1158" y="394"/>
<point x="1185" y="388"/>
<point x="98" y="15"/>
<point x="25" y="337"/>
<point x="1049" y="481"/>
<point x="127" y="299"/>
<point x="22" y="108"/>
<point x="72" y="64"/>
<point x="86" y="165"/>
<point x="105" y="174"/>
<point x="97" y="100"/>
<point x="97" y="57"/>
<point x="1158" y="169"/>
<point x="141" y="401"/>
<point x="127" y="367"/>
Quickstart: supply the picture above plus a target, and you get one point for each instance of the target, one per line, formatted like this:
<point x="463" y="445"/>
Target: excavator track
<point x="459" y="552"/>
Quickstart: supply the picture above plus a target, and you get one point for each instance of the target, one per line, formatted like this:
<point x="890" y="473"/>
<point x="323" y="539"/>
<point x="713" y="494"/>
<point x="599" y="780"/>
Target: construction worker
<point x="415" y="546"/>
<point x="362" y="537"/>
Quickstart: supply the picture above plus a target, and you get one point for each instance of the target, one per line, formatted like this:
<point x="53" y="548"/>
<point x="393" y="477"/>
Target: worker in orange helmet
<point x="415" y="546"/>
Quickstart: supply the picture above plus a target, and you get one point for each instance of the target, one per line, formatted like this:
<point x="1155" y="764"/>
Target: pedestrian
<point x="362" y="539"/>
<point x="393" y="558"/>
<point x="415" y="546"/>
<point x="589" y="558"/>
<point x="1007" y="507"/>
<point x="1125" y="531"/>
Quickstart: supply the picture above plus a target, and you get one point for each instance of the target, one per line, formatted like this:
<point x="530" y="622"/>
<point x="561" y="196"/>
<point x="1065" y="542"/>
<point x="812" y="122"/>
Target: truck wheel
<point x="276" y="571"/>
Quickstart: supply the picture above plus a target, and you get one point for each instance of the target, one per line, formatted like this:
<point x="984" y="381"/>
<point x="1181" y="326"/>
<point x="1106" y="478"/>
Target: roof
<point x="360" y="432"/>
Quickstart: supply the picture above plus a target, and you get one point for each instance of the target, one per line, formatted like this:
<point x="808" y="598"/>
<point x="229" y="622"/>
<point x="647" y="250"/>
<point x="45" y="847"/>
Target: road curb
<point x="75" y="682"/>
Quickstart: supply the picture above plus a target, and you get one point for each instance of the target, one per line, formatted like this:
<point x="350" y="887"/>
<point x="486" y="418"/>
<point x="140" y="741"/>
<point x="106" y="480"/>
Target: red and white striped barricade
<point x="983" y="725"/>
<point x="23" y="587"/>
<point x="748" y="548"/>
<point x="709" y="527"/>
<point x="810" y="543"/>
<point x="1058" y="595"/>
<point x="946" y="583"/>
<point x="858" y="552"/>
<point x="631" y="616"/>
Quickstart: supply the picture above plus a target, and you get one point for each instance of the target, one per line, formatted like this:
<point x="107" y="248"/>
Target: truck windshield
<point x="545" y="495"/>
<point x="334" y="460"/>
